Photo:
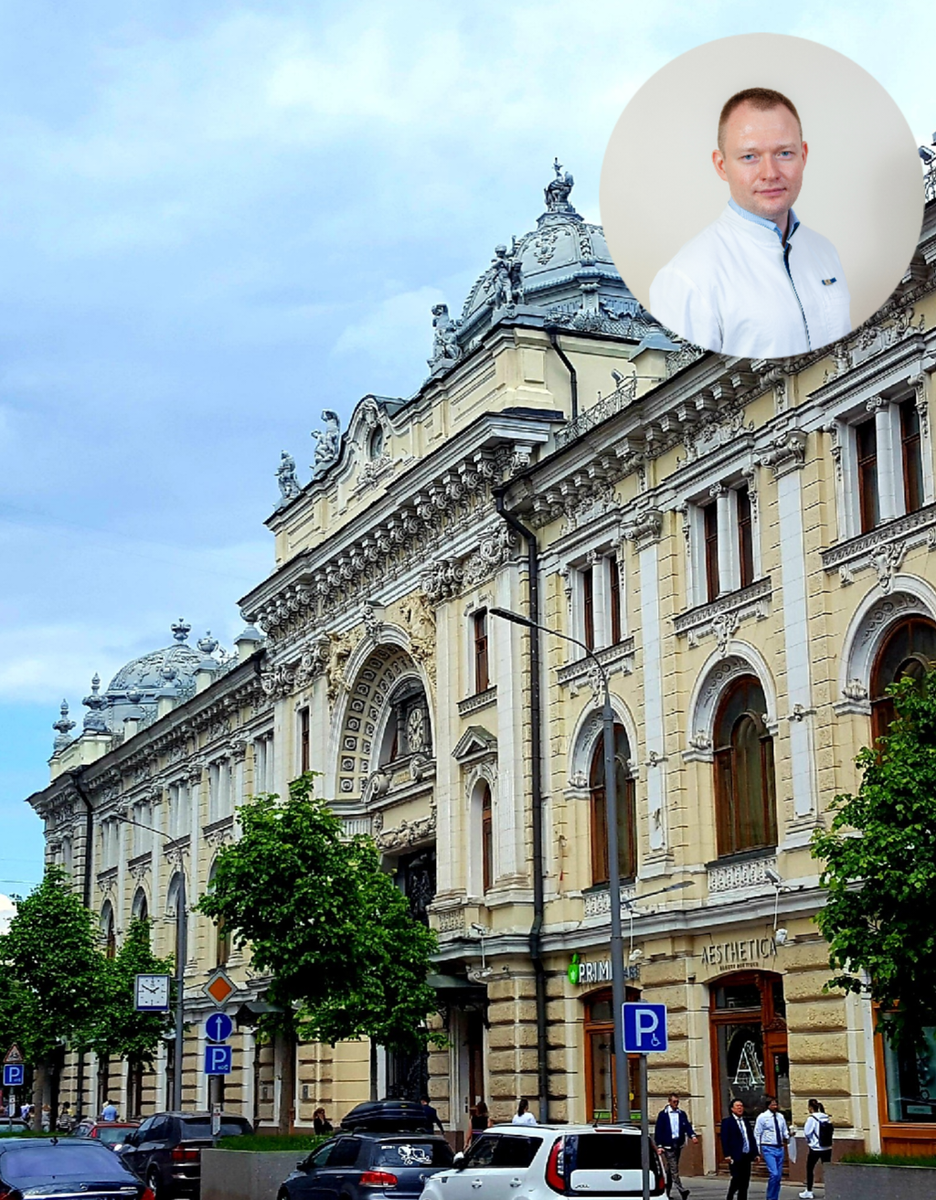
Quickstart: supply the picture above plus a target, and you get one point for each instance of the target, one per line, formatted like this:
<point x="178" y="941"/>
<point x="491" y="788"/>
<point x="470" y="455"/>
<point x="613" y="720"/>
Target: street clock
<point x="152" y="993"/>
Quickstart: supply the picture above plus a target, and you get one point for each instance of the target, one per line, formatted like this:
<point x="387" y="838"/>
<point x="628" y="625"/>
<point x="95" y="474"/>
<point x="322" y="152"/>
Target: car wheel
<point x="154" y="1185"/>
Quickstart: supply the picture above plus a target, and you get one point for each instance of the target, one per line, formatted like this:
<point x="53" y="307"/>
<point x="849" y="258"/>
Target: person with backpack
<point x="818" y="1132"/>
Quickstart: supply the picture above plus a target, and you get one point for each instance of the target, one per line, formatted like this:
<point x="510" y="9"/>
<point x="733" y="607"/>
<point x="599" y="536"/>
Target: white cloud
<point x="7" y="912"/>
<point x="395" y="335"/>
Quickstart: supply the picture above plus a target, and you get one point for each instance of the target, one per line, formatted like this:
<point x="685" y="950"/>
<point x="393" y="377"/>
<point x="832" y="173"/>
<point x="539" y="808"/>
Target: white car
<point x="543" y="1161"/>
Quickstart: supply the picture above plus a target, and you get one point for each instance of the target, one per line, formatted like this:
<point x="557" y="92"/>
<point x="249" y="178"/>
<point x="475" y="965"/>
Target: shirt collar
<point x="771" y="225"/>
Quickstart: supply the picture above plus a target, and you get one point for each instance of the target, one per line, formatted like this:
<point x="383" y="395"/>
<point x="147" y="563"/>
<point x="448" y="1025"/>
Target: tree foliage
<point x="51" y="969"/>
<point x="330" y="927"/>
<point x="880" y="870"/>
<point x="120" y="1029"/>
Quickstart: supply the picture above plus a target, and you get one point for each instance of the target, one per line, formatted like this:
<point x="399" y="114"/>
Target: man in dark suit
<point x="671" y="1134"/>
<point x="738" y="1146"/>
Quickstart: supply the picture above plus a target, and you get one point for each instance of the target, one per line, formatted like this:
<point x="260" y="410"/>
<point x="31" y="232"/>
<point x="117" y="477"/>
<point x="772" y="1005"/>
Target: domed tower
<point x="142" y="682"/>
<point x="559" y="274"/>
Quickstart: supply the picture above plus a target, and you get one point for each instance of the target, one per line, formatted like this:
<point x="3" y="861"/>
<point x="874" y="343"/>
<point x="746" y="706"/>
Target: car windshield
<point x="113" y="1137"/>
<point x="414" y="1154"/>
<point x="76" y="1162"/>
<point x="199" y="1128"/>
<point x="607" y="1152"/>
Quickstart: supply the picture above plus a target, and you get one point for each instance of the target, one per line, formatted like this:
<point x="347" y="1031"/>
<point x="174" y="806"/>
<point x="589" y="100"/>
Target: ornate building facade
<point x="746" y="547"/>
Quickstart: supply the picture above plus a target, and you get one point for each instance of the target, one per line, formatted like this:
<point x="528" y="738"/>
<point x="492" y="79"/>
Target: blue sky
<point x="218" y="219"/>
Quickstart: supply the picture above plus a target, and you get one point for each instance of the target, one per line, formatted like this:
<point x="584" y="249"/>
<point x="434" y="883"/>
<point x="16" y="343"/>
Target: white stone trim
<point x="719" y="672"/>
<point x="588" y="730"/>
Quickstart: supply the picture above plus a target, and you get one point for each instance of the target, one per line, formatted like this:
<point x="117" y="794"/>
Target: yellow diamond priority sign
<point x="219" y="987"/>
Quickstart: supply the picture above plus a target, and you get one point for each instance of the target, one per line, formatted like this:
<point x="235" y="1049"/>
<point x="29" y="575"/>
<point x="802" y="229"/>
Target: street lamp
<point x="181" y="954"/>
<point x="614" y="883"/>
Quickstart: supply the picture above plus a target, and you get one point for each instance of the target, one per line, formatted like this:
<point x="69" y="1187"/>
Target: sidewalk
<point x="716" y="1188"/>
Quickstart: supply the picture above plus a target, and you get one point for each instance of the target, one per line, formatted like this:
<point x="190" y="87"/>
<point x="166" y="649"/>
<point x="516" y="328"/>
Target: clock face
<point x="416" y="730"/>
<point x="152" y="992"/>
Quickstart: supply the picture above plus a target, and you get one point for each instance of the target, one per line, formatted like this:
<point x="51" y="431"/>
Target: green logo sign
<point x="573" y="971"/>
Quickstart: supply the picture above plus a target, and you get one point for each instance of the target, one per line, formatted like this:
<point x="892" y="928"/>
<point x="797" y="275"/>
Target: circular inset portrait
<point x="762" y="195"/>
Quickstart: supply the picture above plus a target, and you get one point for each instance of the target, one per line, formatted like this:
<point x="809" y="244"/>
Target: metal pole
<point x="644" y="1131"/>
<point x="181" y="953"/>
<point x="614" y="896"/>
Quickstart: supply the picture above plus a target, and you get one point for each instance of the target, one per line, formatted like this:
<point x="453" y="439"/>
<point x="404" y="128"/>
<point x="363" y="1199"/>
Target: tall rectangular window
<point x="745" y="537"/>
<point x="588" y="606"/>
<point x="868" y="497"/>
<point x="305" y="760"/>
<point x="614" y="589"/>
<point x="482" y="679"/>
<point x="912" y="456"/>
<point x="710" y="525"/>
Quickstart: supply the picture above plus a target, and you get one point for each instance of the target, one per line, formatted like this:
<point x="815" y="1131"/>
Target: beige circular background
<point x="862" y="187"/>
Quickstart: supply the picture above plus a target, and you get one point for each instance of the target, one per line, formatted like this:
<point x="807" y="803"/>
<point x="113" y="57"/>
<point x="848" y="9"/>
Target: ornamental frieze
<point x="406" y="834"/>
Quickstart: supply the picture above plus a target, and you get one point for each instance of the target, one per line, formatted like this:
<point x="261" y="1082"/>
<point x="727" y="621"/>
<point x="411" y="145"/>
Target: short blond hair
<point x="760" y="98"/>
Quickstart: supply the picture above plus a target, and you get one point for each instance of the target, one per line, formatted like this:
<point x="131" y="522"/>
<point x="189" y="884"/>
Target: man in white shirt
<point x="771" y="1135"/>
<point x="756" y="283"/>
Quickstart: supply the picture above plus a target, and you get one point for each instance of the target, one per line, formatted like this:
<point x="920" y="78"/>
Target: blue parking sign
<point x="218" y="1060"/>
<point x="14" y="1075"/>
<point x="644" y="1028"/>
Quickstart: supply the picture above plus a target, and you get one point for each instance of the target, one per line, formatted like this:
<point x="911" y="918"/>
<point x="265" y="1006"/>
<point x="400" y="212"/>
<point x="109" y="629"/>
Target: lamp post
<point x="180" y="955"/>
<point x="614" y="883"/>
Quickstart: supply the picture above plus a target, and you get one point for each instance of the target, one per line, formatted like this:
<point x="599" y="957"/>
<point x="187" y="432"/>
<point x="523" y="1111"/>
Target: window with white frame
<point x="263" y="764"/>
<point x="722" y="542"/>
<point x="884" y="468"/>
<point x="179" y="808"/>
<point x="219" y="789"/>
<point x="598" y="601"/>
<point x="480" y="661"/>
<point x="142" y="816"/>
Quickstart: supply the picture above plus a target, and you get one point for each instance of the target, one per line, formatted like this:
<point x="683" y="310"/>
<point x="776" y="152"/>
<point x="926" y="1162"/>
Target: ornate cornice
<point x="722" y="617"/>
<point x="884" y="548"/>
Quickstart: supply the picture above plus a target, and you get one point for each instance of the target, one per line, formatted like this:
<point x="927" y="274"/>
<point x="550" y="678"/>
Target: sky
<point x="218" y="219"/>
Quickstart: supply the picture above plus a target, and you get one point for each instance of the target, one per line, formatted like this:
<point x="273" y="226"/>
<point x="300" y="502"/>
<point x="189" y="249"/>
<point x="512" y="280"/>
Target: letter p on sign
<point x="645" y="1028"/>
<point x="217" y="1060"/>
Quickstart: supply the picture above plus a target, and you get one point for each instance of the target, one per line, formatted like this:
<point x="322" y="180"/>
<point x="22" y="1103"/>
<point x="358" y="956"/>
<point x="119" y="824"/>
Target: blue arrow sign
<point x="219" y="1027"/>
<point x="14" y="1075"/>
<point x="644" y="1028"/>
<point x="218" y="1060"/>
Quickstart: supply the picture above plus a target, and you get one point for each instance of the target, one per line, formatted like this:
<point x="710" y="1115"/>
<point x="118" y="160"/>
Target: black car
<point x="367" y="1166"/>
<point x="388" y="1116"/>
<point x="41" y="1167"/>
<point x="166" y="1149"/>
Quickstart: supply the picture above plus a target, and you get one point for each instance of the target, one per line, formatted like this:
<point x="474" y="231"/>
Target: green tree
<point x="330" y="927"/>
<point x="51" y="962"/>
<point x="119" y="1030"/>
<point x="879" y="859"/>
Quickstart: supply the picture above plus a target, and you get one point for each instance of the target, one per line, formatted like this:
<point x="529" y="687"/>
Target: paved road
<point x="713" y="1188"/>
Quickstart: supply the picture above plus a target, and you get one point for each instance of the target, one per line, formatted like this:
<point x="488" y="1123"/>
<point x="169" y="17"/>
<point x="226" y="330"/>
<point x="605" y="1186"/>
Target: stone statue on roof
<point x="445" y="347"/>
<point x="286" y="478"/>
<point x="558" y="189"/>
<point x="329" y="442"/>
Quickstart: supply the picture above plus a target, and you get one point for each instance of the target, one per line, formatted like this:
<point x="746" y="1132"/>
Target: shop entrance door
<point x="749" y="1045"/>
<point x="600" y="1100"/>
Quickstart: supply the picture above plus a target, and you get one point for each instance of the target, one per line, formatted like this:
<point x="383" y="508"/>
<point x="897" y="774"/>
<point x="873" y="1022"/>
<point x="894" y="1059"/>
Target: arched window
<point x="408" y="730"/>
<point x="626" y="810"/>
<point x="173" y="896"/>
<point x="222" y="936"/>
<point x="109" y="930"/>
<point x="140" y="909"/>
<point x="487" y="839"/>
<point x="745" y="800"/>
<point x="910" y="649"/>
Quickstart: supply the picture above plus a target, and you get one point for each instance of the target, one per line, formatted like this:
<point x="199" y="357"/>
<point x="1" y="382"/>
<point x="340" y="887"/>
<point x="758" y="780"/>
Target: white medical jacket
<point x="737" y="289"/>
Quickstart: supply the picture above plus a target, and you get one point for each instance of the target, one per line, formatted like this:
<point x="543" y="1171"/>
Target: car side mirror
<point x="458" y="1162"/>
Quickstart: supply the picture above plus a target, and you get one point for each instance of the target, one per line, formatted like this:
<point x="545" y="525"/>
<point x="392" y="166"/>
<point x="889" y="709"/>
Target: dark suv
<point x="166" y="1149"/>
<point x="368" y="1166"/>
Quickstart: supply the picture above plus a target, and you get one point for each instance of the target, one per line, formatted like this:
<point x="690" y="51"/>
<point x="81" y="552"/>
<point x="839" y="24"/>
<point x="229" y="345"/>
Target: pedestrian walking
<point x="523" y="1116"/>
<point x="480" y="1120"/>
<point x="431" y="1112"/>
<point x="772" y="1135"/>
<point x="818" y="1132"/>
<point x="673" y="1130"/>
<point x="739" y="1148"/>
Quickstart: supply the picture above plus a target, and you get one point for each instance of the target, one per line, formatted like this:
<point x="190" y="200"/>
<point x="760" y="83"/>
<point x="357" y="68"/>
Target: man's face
<point x="773" y="1105"/>
<point x="737" y="1108"/>
<point x="762" y="160"/>
<point x="674" y="1101"/>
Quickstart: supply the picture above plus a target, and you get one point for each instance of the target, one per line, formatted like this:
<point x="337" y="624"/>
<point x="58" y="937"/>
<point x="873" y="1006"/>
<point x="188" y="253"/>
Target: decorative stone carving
<point x="645" y="528"/>
<point x="63" y="727"/>
<point x="886" y="561"/>
<point x="420" y="625"/>
<point x="883" y="549"/>
<point x="723" y="616"/>
<point x="407" y="833"/>
<point x="598" y="903"/>
<point x="787" y="452"/>
<point x="94" y="721"/>
<point x="442" y="579"/>
<point x="507" y="286"/>
<point x="855" y="690"/>
<point x="340" y="648"/>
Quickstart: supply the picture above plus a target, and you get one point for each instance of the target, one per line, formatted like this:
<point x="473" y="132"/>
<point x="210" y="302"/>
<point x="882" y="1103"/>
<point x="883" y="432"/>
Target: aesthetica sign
<point x="730" y="954"/>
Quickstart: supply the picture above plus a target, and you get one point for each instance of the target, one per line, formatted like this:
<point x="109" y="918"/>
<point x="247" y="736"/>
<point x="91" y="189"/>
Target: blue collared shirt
<point x="792" y="221"/>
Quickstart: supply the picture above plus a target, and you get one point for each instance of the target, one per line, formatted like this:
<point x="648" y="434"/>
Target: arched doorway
<point x="600" y="1098"/>
<point x="750" y="1057"/>
<point x="908" y="650"/>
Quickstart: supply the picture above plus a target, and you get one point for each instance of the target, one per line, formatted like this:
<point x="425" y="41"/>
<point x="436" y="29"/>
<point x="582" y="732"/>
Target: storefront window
<point x="599" y="1062"/>
<point x="750" y="1042"/>
<point x="911" y="1080"/>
